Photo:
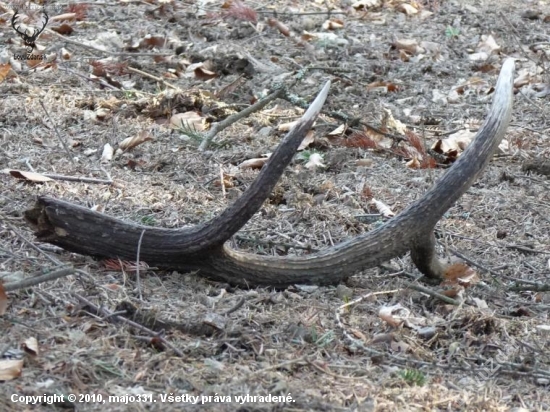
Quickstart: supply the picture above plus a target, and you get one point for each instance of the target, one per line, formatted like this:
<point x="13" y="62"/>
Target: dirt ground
<point x="118" y="70"/>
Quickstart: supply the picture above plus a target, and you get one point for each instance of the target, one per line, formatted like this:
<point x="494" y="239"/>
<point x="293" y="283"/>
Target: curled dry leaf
<point x="315" y="160"/>
<point x="365" y="4"/>
<point x="6" y="72"/>
<point x="28" y="176"/>
<point x="408" y="9"/>
<point x="203" y="73"/>
<point x="284" y="30"/>
<point x="382" y="208"/>
<point x="102" y="113"/>
<point x="188" y="120"/>
<point x="107" y="154"/>
<point x="333" y="24"/>
<point x="457" y="142"/>
<point x="3" y="300"/>
<point x="331" y="39"/>
<point x="409" y="45"/>
<point x="339" y="131"/>
<point x="460" y="274"/>
<point x="393" y="315"/>
<point x="399" y="346"/>
<point x="257" y="163"/>
<point x="487" y="45"/>
<point x="131" y="142"/>
<point x="64" y="29"/>
<point x="65" y="54"/>
<point x="309" y="139"/>
<point x="414" y="163"/>
<point x="30" y="346"/>
<point x="389" y="122"/>
<point x="64" y="17"/>
<point x="285" y="127"/>
<point x="10" y="369"/>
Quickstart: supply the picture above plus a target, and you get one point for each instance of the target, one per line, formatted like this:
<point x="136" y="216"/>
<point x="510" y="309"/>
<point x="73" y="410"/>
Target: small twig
<point x="239" y="304"/>
<point x="36" y="280"/>
<point x="432" y="293"/>
<point x="109" y="315"/>
<point x="96" y="49"/>
<point x="307" y="13"/>
<point x="78" y="179"/>
<point x="526" y="249"/>
<point x="138" y="279"/>
<point x="222" y="183"/>
<point x="57" y="133"/>
<point x="219" y="126"/>
<point x="150" y="76"/>
<point x="96" y="80"/>
<point x="544" y="287"/>
<point x="28" y="242"/>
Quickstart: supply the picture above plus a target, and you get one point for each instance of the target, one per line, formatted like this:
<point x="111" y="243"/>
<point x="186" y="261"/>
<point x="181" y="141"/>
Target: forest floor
<point x="160" y="72"/>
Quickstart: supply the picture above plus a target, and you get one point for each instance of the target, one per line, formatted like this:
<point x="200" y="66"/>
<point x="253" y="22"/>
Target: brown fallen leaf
<point x="257" y="163"/>
<point x="131" y="142"/>
<point x="10" y="369"/>
<point x="30" y="346"/>
<point x="188" y="120"/>
<point x="29" y="176"/>
<point x="309" y="139"/>
<point x="3" y="300"/>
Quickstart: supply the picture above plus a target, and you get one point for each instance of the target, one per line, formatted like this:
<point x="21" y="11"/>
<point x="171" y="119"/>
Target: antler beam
<point x="80" y="230"/>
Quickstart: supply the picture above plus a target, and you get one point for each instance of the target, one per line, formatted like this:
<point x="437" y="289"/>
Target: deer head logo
<point x="30" y="40"/>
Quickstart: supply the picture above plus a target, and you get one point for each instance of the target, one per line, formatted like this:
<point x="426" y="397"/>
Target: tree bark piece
<point x="80" y="230"/>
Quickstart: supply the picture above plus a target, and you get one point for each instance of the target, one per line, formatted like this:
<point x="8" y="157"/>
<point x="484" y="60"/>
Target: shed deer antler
<point x="83" y="231"/>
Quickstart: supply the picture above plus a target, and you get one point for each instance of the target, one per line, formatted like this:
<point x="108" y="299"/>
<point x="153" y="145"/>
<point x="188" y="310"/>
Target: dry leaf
<point x="285" y="127"/>
<point x="107" y="154"/>
<point x="393" y="315"/>
<point x="315" y="160"/>
<point x="188" y="120"/>
<point x="460" y="274"/>
<point x="131" y="142"/>
<point x="29" y="176"/>
<point x="333" y="24"/>
<point x="414" y="163"/>
<point x="10" y="369"/>
<point x="102" y="113"/>
<point x="30" y="346"/>
<point x="399" y="346"/>
<point x="257" y="163"/>
<point x="63" y="29"/>
<point x="382" y="86"/>
<point x="365" y="4"/>
<point x="284" y="30"/>
<point x="339" y="131"/>
<point x="408" y="9"/>
<point x="309" y="139"/>
<point x="384" y="210"/>
<point x="3" y="300"/>
<point x="6" y="71"/>
<point x="388" y="122"/>
<point x="409" y="45"/>
<point x="203" y="73"/>
<point x="64" y="17"/>
<point x="487" y="45"/>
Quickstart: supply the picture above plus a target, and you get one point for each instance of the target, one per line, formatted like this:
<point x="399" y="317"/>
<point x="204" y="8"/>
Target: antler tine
<point x="45" y="21"/>
<point x="13" y="23"/>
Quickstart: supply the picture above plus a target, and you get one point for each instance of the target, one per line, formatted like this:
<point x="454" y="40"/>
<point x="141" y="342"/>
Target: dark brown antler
<point x="13" y="24"/>
<point x="81" y="230"/>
